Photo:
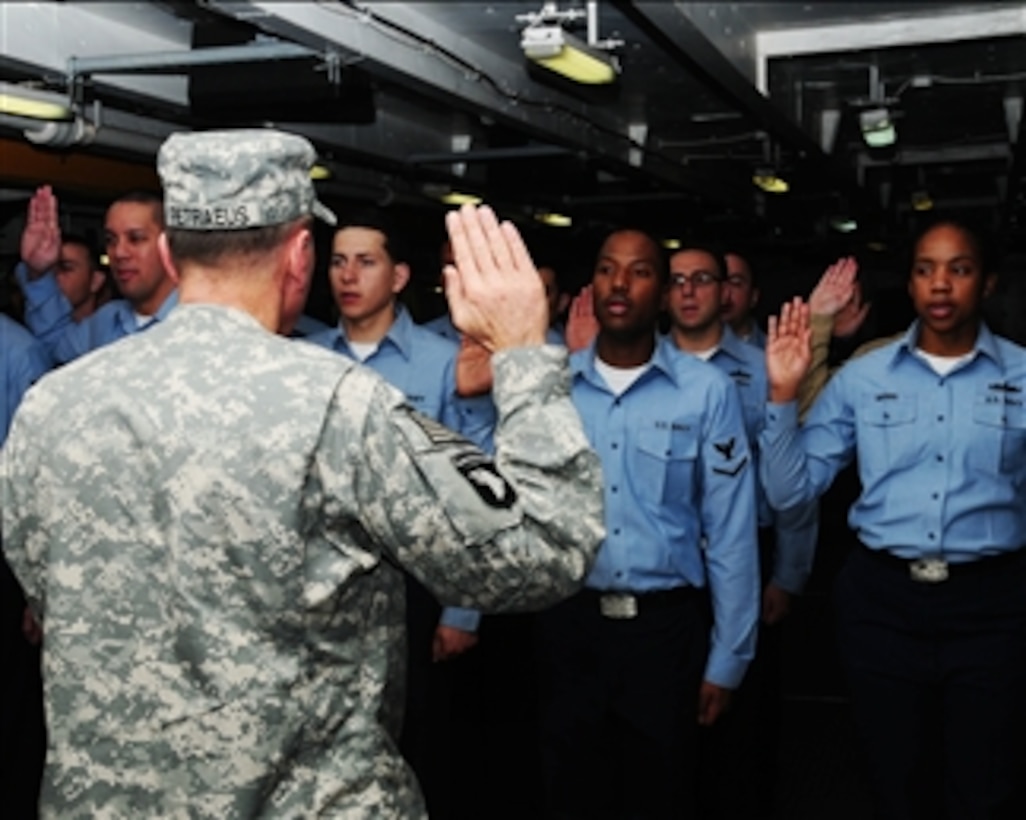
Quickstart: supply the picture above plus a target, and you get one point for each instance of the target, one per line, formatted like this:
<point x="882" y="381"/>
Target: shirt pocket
<point x="663" y="463"/>
<point x="999" y="436"/>
<point x="887" y="439"/>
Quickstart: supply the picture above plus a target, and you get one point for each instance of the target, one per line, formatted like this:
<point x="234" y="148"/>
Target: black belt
<point x="938" y="570"/>
<point x="623" y="604"/>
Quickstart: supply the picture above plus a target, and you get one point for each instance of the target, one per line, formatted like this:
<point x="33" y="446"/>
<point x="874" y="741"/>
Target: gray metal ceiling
<point x="708" y="93"/>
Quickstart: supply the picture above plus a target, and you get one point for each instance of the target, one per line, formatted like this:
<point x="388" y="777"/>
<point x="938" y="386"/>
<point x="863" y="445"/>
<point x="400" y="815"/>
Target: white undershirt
<point x="706" y="355"/>
<point x="363" y="350"/>
<point x="619" y="378"/>
<point x="141" y="321"/>
<point x="942" y="365"/>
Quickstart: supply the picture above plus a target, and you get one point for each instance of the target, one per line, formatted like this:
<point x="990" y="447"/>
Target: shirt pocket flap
<point x="888" y="410"/>
<point x="673" y="443"/>
<point x="996" y="411"/>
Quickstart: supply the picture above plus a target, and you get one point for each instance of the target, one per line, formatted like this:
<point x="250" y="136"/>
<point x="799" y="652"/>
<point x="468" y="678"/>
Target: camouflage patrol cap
<point x="242" y="178"/>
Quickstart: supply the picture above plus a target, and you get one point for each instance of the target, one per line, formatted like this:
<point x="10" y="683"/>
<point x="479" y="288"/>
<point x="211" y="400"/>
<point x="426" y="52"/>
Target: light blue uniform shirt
<point x="422" y="364"/>
<point x="24" y="360"/>
<point x="677" y="471"/>
<point x="797" y="528"/>
<point x="942" y="459"/>
<point x="48" y="316"/>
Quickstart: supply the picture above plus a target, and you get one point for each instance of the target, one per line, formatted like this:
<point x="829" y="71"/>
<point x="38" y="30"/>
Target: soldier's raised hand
<point x="495" y="293"/>
<point x="41" y="238"/>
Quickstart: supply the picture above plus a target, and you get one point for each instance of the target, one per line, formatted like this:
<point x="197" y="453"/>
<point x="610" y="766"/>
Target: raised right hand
<point x="495" y="293"/>
<point x="788" y="349"/>
<point x="835" y="287"/>
<point x="581" y="325"/>
<point x="41" y="239"/>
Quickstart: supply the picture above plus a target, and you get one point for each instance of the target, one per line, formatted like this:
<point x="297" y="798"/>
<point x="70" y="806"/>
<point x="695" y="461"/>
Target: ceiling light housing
<point x="768" y="180"/>
<point x="460" y="198"/>
<point x="31" y="103"/>
<point x="554" y="220"/>
<point x="558" y="50"/>
<point x="921" y="200"/>
<point x="877" y="127"/>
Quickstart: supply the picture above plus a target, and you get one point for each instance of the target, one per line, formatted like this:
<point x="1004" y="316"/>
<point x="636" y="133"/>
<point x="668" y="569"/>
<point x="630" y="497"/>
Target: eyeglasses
<point x="698" y="279"/>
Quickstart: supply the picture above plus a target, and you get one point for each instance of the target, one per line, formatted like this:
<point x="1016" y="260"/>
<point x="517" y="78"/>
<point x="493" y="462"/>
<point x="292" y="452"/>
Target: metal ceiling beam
<point x="174" y="62"/>
<point x="672" y="29"/>
<point x="400" y="43"/>
<point x="491" y="154"/>
<point x="996" y="151"/>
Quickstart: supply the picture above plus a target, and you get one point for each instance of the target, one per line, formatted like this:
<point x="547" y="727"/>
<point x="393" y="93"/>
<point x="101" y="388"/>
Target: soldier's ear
<point x="166" y="260"/>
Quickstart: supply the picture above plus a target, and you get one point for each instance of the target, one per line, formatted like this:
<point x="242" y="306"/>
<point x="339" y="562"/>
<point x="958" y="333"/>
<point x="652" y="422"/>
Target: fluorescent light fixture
<point x="558" y="50"/>
<point x="318" y="172"/>
<point x="21" y="101"/>
<point x="843" y="224"/>
<point x="921" y="201"/>
<point x="877" y="127"/>
<point x="671" y="244"/>
<point x="767" y="179"/>
<point x="554" y="220"/>
<point x="458" y="198"/>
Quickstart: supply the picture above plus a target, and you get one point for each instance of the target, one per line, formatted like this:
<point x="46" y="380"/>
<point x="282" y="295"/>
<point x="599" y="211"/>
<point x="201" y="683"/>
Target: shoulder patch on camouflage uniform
<point x="482" y="474"/>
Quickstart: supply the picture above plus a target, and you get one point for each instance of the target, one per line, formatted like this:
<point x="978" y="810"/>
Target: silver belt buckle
<point x="928" y="570"/>
<point x="619" y="605"/>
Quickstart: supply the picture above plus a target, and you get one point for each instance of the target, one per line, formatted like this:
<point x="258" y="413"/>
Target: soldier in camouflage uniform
<point x="214" y="541"/>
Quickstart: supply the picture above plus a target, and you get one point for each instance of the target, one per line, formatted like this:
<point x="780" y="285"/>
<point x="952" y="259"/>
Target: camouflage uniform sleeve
<point x="24" y="538"/>
<point x="515" y="532"/>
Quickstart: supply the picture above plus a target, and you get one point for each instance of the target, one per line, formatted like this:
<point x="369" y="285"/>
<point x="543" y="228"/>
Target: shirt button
<point x="940" y="457"/>
<point x="934" y="496"/>
<point x="618" y="574"/>
<point x="940" y="418"/>
<point x="615" y="446"/>
<point x="614" y="488"/>
<point x="616" y="531"/>
<point x="887" y="415"/>
<point x="930" y="535"/>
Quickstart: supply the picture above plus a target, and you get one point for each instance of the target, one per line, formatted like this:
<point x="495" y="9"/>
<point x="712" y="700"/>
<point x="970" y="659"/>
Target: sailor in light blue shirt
<point x="132" y="226"/>
<point x="631" y="665"/>
<point x="931" y="607"/>
<point x="941" y="458"/>
<point x="694" y="303"/>
<point x="678" y="473"/>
